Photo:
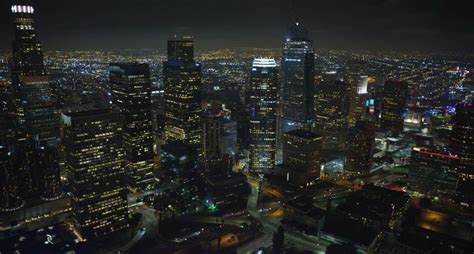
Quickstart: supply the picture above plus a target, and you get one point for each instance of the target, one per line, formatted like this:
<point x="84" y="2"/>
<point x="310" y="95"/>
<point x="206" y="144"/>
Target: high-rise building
<point x="263" y="112"/>
<point x="35" y="115"/>
<point x="297" y="84"/>
<point x="10" y="173"/>
<point x="94" y="161"/>
<point x="355" y="75"/>
<point x="131" y="96"/>
<point x="219" y="134"/>
<point x="360" y="144"/>
<point x="30" y="136"/>
<point x="29" y="170"/>
<point x="182" y="86"/>
<point x="331" y="108"/>
<point x="302" y="155"/>
<point x="181" y="49"/>
<point x="432" y="172"/>
<point x="183" y="174"/>
<point x="462" y="145"/>
<point x="49" y="180"/>
<point x="394" y="102"/>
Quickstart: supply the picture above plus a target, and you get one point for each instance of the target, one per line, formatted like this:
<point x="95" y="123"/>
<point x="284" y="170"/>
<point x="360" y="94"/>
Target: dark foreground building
<point x="462" y="145"/>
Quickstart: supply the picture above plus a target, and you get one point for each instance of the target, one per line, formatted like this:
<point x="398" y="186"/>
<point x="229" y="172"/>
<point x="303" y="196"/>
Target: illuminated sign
<point x="292" y="60"/>
<point x="22" y="9"/>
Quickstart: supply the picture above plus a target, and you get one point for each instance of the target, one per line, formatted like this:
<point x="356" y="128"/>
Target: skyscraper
<point x="355" y="71"/>
<point x="432" y="172"/>
<point x="131" y="96"/>
<point x="31" y="135"/>
<point x="10" y="197"/>
<point x="302" y="155"/>
<point x="393" y="106"/>
<point x="462" y="145"/>
<point x="182" y="85"/>
<point x="34" y="107"/>
<point x="331" y="108"/>
<point x="94" y="161"/>
<point x="297" y="85"/>
<point x="263" y="103"/>
<point x="360" y="142"/>
<point x="219" y="134"/>
<point x="49" y="181"/>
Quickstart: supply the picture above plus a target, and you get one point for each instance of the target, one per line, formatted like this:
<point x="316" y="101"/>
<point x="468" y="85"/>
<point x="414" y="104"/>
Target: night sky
<point x="342" y="24"/>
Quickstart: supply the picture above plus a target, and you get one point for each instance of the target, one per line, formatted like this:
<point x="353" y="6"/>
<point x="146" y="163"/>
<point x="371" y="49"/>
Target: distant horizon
<point x="203" y="50"/>
<point x="395" y="25"/>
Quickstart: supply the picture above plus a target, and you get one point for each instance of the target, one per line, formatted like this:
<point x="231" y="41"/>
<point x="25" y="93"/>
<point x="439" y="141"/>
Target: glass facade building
<point x="297" y="84"/>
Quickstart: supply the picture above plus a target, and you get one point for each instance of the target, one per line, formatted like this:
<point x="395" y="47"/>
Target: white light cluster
<point x="22" y="9"/>
<point x="264" y="62"/>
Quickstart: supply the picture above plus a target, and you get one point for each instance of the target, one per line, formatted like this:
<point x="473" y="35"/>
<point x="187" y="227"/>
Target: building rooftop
<point x="304" y="134"/>
<point x="264" y="62"/>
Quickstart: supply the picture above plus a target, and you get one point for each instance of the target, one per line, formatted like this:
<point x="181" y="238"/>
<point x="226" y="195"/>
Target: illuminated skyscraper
<point x="462" y="145"/>
<point x="263" y="103"/>
<point x="94" y="161"/>
<point x="131" y="96"/>
<point x="360" y="144"/>
<point x="34" y="107"/>
<point x="355" y="75"/>
<point x="297" y="87"/>
<point x="182" y="85"/>
<point x="30" y="167"/>
<point x="394" y="102"/>
<point x="331" y="108"/>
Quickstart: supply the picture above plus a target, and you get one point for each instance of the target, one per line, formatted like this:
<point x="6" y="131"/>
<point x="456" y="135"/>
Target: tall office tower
<point x="302" y="155"/>
<point x="10" y="198"/>
<point x="94" y="161"/>
<point x="219" y="134"/>
<point x="355" y="75"/>
<point x="432" y="172"/>
<point x="331" y="106"/>
<point x="297" y="84"/>
<point x="182" y="85"/>
<point x="360" y="142"/>
<point x="131" y="96"/>
<point x="49" y="181"/>
<point x="33" y="104"/>
<point x="394" y="101"/>
<point x="462" y="145"/>
<point x="263" y="103"/>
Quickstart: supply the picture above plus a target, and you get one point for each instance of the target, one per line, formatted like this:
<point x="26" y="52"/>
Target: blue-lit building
<point x="297" y="84"/>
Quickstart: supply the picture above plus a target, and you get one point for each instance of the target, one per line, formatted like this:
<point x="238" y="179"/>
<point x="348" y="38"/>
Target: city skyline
<point x="284" y="150"/>
<point x="341" y="24"/>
